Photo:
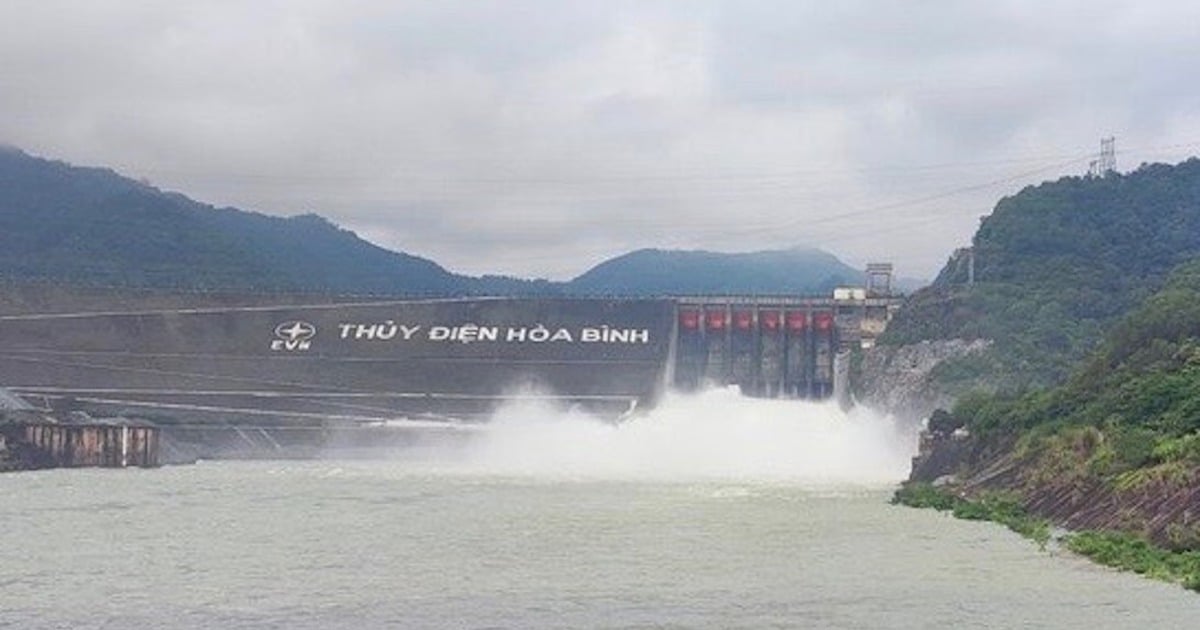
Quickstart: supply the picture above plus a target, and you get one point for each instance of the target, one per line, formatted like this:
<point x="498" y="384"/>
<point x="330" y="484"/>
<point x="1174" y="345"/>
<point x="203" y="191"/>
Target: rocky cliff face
<point x="897" y="379"/>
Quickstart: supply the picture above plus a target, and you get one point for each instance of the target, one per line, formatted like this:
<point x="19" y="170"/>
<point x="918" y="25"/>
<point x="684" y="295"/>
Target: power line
<point x="750" y="177"/>
<point x="882" y="208"/>
<point x="723" y="227"/>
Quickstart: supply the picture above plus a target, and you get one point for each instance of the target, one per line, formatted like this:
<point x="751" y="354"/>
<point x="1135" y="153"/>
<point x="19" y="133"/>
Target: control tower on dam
<point x="287" y="360"/>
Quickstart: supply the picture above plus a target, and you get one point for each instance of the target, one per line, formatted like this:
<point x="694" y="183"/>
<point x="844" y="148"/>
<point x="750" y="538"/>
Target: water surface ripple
<point x="344" y="544"/>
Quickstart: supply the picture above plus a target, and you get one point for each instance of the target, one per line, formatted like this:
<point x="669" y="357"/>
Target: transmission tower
<point x="1106" y="162"/>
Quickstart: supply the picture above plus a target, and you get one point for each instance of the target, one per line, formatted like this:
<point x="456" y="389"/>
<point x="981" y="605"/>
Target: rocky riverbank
<point x="1145" y="520"/>
<point x="1058" y="480"/>
<point x="901" y="379"/>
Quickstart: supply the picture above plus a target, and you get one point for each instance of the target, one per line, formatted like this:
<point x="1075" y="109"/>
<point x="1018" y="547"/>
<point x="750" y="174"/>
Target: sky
<point x="537" y="138"/>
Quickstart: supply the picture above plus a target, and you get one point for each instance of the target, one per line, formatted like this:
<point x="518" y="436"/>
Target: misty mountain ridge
<point x="660" y="272"/>
<point x="93" y="227"/>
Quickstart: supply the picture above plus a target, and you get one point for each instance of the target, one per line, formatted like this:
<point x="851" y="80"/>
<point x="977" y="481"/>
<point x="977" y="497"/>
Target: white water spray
<point x="717" y="434"/>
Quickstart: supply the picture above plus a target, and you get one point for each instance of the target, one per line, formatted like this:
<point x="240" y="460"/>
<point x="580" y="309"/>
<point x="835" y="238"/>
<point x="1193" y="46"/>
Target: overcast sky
<point x="537" y="138"/>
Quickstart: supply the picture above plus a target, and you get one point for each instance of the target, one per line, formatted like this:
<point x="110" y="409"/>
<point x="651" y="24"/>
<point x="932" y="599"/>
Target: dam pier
<point x="773" y="347"/>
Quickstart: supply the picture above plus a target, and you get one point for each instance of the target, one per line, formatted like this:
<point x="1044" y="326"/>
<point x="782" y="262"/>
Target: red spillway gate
<point x="823" y="322"/>
<point x="768" y="349"/>
<point x="689" y="319"/>
<point x="797" y="321"/>
<point x="714" y="320"/>
<point x="769" y="321"/>
<point x="743" y="320"/>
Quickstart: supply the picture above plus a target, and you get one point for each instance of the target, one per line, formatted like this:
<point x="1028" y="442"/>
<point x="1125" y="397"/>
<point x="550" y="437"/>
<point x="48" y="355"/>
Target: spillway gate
<point x="770" y="347"/>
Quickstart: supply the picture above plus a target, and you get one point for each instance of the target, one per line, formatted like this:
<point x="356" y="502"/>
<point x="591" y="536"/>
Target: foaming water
<point x="716" y="434"/>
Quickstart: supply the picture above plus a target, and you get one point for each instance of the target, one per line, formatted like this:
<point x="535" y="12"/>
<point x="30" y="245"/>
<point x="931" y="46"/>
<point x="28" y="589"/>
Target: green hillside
<point x="1112" y="453"/>
<point x="93" y="227"/>
<point x="1091" y="288"/>
<point x="1055" y="266"/>
<point x="1144" y="378"/>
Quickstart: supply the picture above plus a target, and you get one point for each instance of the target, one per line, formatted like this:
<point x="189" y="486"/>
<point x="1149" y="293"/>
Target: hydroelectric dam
<point x="197" y="361"/>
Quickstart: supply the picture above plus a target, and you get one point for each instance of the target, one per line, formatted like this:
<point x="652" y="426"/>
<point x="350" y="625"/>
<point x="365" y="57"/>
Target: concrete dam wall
<point x="353" y="361"/>
<point x="290" y="360"/>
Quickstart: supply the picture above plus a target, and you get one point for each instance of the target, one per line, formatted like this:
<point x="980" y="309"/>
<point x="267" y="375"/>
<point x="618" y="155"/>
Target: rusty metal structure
<point x="98" y="444"/>
<point x="106" y="444"/>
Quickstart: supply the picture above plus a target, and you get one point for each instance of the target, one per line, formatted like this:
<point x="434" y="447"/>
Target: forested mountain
<point x="93" y="227"/>
<point x="1090" y="290"/>
<point x="1143" y="378"/>
<point x="663" y="272"/>
<point x="1055" y="266"/>
<point x="1112" y="454"/>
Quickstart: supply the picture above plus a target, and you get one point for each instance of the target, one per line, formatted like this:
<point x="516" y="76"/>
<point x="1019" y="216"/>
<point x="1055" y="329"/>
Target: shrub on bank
<point x="1134" y="553"/>
<point x="1124" y="551"/>
<point x="997" y="507"/>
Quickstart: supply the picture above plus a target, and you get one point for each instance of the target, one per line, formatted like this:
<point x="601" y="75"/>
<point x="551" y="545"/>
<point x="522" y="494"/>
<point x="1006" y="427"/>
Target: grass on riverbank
<point x="1128" y="552"/>
<point x="996" y="507"/>
<point x="1120" y="550"/>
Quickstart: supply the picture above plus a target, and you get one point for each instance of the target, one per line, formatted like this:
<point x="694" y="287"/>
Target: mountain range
<point x="94" y="227"/>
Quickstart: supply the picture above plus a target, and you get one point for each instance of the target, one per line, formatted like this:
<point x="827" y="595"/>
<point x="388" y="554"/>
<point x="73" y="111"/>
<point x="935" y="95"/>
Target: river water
<point x="713" y="512"/>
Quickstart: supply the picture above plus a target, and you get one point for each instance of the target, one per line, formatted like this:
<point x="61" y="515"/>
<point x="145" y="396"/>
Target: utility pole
<point x="1106" y="162"/>
<point x="1108" y="155"/>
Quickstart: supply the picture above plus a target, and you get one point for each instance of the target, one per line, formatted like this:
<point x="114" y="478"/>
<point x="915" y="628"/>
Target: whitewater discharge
<point x="717" y="434"/>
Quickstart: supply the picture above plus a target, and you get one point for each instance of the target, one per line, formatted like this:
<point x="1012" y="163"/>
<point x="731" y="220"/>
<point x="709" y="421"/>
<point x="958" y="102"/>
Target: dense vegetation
<point x="1055" y="266"/>
<point x="1133" y="553"/>
<point x="1090" y="410"/>
<point x="1130" y="412"/>
<point x="92" y="227"/>
<point x="1118" y="442"/>
<point x="1143" y="380"/>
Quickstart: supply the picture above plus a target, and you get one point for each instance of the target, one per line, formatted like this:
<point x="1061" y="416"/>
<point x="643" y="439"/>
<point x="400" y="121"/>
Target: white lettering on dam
<point x="473" y="333"/>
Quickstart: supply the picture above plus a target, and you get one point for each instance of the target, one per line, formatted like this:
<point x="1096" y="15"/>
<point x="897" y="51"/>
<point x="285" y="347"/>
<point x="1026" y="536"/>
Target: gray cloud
<point x="537" y="138"/>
